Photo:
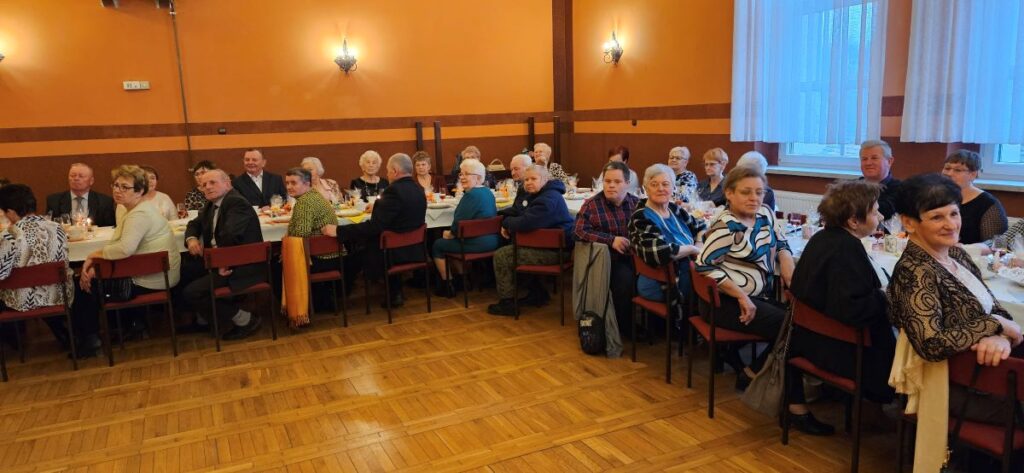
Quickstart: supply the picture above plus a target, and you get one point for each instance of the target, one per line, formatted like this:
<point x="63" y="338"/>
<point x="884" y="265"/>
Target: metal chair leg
<point x="668" y="350"/>
<point x="711" y="379"/>
<point x="689" y="359"/>
<point x="387" y="295"/>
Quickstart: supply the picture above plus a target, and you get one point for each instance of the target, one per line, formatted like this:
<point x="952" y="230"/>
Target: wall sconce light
<point x="346" y="59"/>
<point x="2" y="57"/>
<point x="612" y="51"/>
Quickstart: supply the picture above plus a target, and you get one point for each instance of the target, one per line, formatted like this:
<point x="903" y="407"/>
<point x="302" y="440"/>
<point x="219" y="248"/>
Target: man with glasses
<point x="81" y="199"/>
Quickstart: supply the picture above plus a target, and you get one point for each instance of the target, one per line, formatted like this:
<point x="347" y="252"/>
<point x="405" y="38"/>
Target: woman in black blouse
<point x="981" y="214"/>
<point x="715" y="161"/>
<point x="836" y="277"/>
<point x="370" y="184"/>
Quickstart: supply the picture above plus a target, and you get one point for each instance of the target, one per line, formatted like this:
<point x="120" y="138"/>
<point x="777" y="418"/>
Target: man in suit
<point x="402" y="207"/>
<point x="99" y="207"/>
<point x="257" y="185"/>
<point x="876" y="166"/>
<point x="227" y="219"/>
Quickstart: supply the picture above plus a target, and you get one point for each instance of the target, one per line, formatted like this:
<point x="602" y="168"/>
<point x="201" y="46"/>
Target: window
<point x="813" y="155"/>
<point x="1002" y="162"/>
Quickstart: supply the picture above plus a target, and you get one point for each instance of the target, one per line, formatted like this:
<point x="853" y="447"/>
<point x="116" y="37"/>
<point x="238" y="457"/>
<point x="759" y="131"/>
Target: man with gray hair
<point x="401" y="207"/>
<point x="517" y="167"/>
<point x="876" y="166"/>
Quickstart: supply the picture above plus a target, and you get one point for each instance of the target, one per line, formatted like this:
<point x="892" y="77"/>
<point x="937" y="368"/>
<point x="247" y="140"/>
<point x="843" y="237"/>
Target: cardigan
<point x="143" y="230"/>
<point x="939" y="315"/>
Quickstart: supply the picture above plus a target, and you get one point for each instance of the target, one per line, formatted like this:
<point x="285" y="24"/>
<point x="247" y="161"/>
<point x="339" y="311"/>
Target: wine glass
<point x="79" y="215"/>
<point x="572" y="182"/>
<point x="182" y="210"/>
<point x="65" y="220"/>
<point x="276" y="202"/>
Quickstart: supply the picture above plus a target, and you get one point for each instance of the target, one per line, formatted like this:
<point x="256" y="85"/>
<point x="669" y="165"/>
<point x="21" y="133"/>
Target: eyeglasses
<point x="677" y="158"/>
<point x="957" y="170"/>
<point x="122" y="188"/>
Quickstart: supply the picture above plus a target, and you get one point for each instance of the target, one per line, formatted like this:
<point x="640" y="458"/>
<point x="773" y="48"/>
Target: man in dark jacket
<point x="99" y="207"/>
<point x="227" y="219"/>
<point x="402" y="207"/>
<point x="545" y="208"/>
<point x="255" y="184"/>
<point x="876" y="166"/>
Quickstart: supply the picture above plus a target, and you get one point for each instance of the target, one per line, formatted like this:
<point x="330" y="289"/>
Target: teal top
<point x="477" y="203"/>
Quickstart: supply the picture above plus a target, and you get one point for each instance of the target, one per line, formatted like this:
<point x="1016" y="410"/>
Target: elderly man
<point x="402" y="207"/>
<point x="257" y="185"/>
<point x="604" y="218"/>
<point x="227" y="219"/>
<point x="81" y="198"/>
<point x="517" y="167"/>
<point x="545" y="208"/>
<point x="876" y="164"/>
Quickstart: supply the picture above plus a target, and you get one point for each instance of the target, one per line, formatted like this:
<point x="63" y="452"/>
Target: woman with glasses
<point x="686" y="180"/>
<point x="141" y="229"/>
<point x="983" y="216"/>
<point x="194" y="199"/>
<point x="477" y="202"/>
<point x="715" y="161"/>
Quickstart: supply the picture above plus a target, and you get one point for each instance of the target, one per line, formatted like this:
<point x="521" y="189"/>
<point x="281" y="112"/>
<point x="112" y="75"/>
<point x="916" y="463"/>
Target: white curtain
<point x="808" y="71"/>
<point x="965" y="72"/>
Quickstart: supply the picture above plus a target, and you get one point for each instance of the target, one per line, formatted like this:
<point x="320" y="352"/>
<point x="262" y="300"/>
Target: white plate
<point x="348" y="212"/>
<point x="281" y="219"/>
<point x="583" y="189"/>
<point x="1014" y="274"/>
<point x="576" y="197"/>
<point x="502" y="200"/>
<point x="439" y="205"/>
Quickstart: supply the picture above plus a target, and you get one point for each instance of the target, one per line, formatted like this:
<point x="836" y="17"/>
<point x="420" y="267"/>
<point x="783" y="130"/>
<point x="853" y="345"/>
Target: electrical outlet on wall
<point x="136" y="85"/>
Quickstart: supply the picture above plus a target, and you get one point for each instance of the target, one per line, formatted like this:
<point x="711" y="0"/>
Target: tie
<point x="213" y="226"/>
<point x="79" y="205"/>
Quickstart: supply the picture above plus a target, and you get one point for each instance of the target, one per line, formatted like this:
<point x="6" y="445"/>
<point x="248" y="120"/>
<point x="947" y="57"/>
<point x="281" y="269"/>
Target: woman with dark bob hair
<point x="28" y="241"/>
<point x="838" y="278"/>
<point x="938" y="298"/>
<point x="981" y="214"/>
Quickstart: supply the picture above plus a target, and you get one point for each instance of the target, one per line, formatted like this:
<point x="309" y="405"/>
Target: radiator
<point x="798" y="202"/>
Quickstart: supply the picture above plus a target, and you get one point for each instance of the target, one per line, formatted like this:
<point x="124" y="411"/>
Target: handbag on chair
<point x="764" y="394"/>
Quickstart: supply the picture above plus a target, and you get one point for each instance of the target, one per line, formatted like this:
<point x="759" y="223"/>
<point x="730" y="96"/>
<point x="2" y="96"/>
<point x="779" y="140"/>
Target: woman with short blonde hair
<point x="477" y="202"/>
<point x="715" y="161"/>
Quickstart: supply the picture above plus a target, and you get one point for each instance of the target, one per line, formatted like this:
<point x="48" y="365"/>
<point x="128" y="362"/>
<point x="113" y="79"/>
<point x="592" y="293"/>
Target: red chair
<point x="1005" y="382"/>
<point x="44" y="274"/>
<point x="240" y="255"/>
<point x="546" y="239"/>
<point x="806" y="317"/>
<point x="325" y="245"/>
<point x="707" y="289"/>
<point x="133" y="266"/>
<point x="471" y="229"/>
<point x="667" y="277"/>
<point x="391" y="241"/>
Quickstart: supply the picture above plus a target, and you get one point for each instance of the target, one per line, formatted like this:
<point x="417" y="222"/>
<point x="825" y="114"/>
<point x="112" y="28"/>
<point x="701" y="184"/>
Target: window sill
<point x="987" y="184"/>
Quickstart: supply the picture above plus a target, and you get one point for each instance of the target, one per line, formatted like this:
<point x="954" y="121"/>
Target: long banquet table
<point x="435" y="218"/>
<point x="1008" y="293"/>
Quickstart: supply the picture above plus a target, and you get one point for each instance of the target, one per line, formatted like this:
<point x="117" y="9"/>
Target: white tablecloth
<point x="1008" y="293"/>
<point x="435" y="218"/>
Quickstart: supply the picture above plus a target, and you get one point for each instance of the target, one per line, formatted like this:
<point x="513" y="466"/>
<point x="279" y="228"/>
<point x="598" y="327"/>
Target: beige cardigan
<point x="143" y="230"/>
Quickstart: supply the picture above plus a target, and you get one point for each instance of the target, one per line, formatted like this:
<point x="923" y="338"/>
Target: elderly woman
<point x="982" y="215"/>
<point x="309" y="214"/>
<point x="715" y="161"/>
<point x="423" y="177"/>
<point x="741" y="253"/>
<point x="836" y="277"/>
<point x="477" y="202"/>
<point x="943" y="308"/>
<point x="31" y="240"/>
<point x="757" y="161"/>
<point x="328" y="188"/>
<point x="545" y="208"/>
<point x="686" y="181"/>
<point x="140" y="230"/>
<point x="542" y="156"/>
<point x="163" y="203"/>
<point x="662" y="232"/>
<point x="604" y="218"/>
<point x="194" y="199"/>
<point x="369" y="184"/>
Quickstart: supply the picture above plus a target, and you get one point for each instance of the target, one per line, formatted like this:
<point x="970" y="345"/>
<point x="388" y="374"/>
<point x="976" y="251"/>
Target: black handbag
<point x="591" y="325"/>
<point x="118" y="289"/>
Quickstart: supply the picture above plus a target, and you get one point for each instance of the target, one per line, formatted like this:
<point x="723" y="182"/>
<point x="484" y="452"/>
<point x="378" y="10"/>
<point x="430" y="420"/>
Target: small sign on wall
<point x="136" y="85"/>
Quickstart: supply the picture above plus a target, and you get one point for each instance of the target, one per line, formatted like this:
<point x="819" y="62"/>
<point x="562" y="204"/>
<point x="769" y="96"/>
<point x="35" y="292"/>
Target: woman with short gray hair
<point x="477" y="202"/>
<point x="328" y="188"/>
<point x="686" y="180"/>
<point x="370" y="184"/>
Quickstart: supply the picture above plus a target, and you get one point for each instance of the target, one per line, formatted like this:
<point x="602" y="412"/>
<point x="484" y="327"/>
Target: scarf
<point x="295" y="281"/>
<point x="926" y="385"/>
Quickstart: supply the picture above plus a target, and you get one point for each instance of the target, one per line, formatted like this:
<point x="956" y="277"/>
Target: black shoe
<point x="444" y="290"/>
<point x="504" y="308"/>
<point x="244" y="331"/>
<point x="807" y="424"/>
<point x="396" y="301"/>
<point x="742" y="380"/>
<point x="536" y="299"/>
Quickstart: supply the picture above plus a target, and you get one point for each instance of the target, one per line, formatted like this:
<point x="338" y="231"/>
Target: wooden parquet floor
<point x="452" y="390"/>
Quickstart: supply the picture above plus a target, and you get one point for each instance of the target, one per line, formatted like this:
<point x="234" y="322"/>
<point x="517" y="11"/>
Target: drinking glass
<point x="65" y="220"/>
<point x="182" y="210"/>
<point x="276" y="202"/>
